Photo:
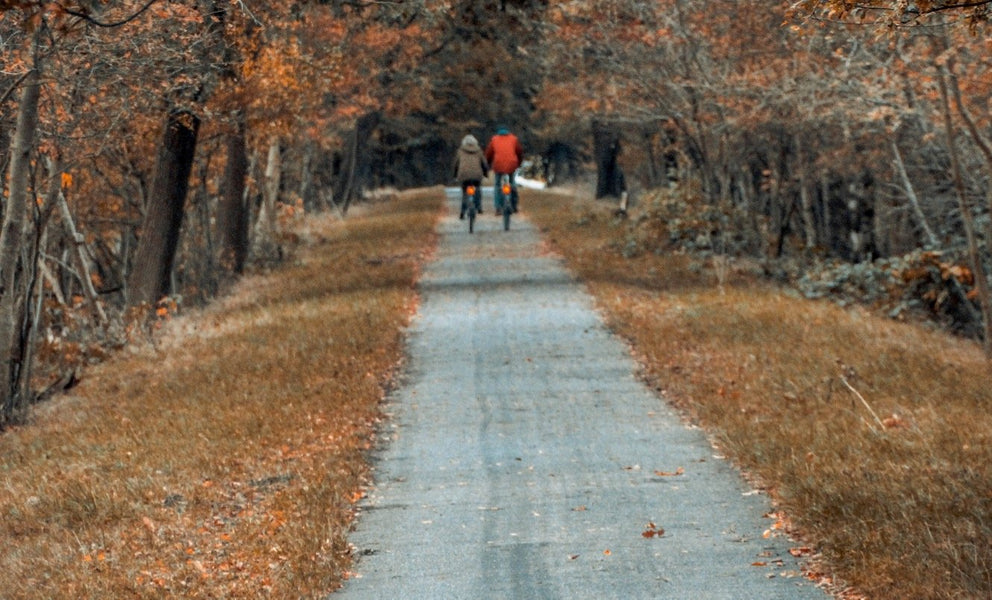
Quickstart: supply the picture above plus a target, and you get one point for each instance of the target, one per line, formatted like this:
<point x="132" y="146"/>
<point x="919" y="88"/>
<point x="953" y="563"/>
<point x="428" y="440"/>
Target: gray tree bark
<point x="914" y="201"/>
<point x="983" y="143"/>
<point x="967" y="218"/>
<point x="264" y="242"/>
<point x="805" y="198"/>
<point x="355" y="161"/>
<point x="13" y="303"/>
<point x="151" y="268"/>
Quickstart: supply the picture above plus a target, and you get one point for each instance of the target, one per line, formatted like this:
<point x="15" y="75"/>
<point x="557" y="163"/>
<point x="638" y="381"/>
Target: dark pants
<point x="514" y="198"/>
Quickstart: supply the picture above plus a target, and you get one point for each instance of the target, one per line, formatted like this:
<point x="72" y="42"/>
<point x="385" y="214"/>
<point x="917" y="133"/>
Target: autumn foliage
<point x="789" y="119"/>
<point x="131" y="97"/>
<point x="804" y="132"/>
<point x="842" y="147"/>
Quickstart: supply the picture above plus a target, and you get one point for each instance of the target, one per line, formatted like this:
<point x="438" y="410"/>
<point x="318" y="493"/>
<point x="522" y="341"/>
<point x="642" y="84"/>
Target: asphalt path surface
<point x="523" y="459"/>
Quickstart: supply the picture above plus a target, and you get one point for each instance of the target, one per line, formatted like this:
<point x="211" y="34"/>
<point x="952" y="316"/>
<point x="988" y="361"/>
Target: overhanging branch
<point x="84" y="16"/>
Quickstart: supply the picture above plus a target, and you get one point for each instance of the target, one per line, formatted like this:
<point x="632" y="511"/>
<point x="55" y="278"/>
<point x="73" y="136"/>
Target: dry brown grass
<point x="893" y="488"/>
<point x="224" y="460"/>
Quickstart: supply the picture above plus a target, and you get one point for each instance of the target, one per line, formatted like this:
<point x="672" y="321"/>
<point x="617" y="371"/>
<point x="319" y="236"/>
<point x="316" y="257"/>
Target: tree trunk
<point x="233" y="218"/>
<point x="76" y="239"/>
<point x="651" y="159"/>
<point x="265" y="227"/>
<point x="355" y="161"/>
<point x="606" y="149"/>
<point x="560" y="163"/>
<point x="307" y="192"/>
<point x="13" y="303"/>
<point x="826" y="214"/>
<point x="151" y="269"/>
<point x="974" y="253"/>
<point x="983" y="143"/>
<point x="779" y="210"/>
<point x="34" y="287"/>
<point x="929" y="238"/>
<point x="805" y="198"/>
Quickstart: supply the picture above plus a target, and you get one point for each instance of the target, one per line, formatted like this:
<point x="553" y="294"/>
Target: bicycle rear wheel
<point x="503" y="199"/>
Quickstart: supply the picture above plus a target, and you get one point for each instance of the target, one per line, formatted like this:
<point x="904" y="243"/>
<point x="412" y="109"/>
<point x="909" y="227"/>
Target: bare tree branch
<point x="84" y="16"/>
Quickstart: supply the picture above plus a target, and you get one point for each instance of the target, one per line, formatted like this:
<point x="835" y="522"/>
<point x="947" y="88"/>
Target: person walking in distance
<point x="505" y="154"/>
<point x="470" y="169"/>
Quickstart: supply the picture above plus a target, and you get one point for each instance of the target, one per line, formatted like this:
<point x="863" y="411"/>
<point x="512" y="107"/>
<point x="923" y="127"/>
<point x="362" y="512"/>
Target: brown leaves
<point x="653" y="531"/>
<point x="894" y="422"/>
<point x="779" y="527"/>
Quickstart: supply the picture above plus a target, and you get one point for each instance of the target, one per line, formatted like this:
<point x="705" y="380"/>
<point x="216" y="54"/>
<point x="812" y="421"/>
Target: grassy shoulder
<point x="873" y="437"/>
<point x="225" y="459"/>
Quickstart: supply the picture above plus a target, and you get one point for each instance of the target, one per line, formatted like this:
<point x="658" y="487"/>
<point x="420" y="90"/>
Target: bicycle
<point x="471" y="198"/>
<point x="506" y="196"/>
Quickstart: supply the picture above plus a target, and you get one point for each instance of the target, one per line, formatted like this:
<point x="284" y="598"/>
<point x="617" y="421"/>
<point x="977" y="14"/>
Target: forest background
<point x="151" y="147"/>
<point x="154" y="149"/>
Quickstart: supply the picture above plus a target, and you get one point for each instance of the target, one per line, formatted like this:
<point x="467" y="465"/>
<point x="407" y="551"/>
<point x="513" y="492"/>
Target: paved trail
<point x="524" y="460"/>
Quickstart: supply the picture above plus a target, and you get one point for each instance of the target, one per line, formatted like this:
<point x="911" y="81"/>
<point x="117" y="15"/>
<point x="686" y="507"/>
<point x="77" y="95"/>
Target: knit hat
<point x="470" y="143"/>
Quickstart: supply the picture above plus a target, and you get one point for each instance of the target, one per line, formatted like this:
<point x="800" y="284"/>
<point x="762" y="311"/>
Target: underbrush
<point x="871" y="435"/>
<point x="222" y="458"/>
<point x="922" y="286"/>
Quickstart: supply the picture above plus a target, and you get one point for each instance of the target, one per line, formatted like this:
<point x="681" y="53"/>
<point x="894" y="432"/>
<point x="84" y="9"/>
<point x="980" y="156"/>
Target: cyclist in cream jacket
<point x="471" y="168"/>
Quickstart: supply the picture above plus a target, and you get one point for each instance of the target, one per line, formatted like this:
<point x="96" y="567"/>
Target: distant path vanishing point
<point x="524" y="460"/>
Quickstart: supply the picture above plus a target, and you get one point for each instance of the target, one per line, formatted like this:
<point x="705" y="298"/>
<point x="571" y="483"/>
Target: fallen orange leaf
<point x="653" y="531"/>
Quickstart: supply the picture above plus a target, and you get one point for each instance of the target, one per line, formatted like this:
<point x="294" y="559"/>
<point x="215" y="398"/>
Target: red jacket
<point x="504" y="153"/>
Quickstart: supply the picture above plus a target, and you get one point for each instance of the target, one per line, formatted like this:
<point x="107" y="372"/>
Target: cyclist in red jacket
<point x="504" y="154"/>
